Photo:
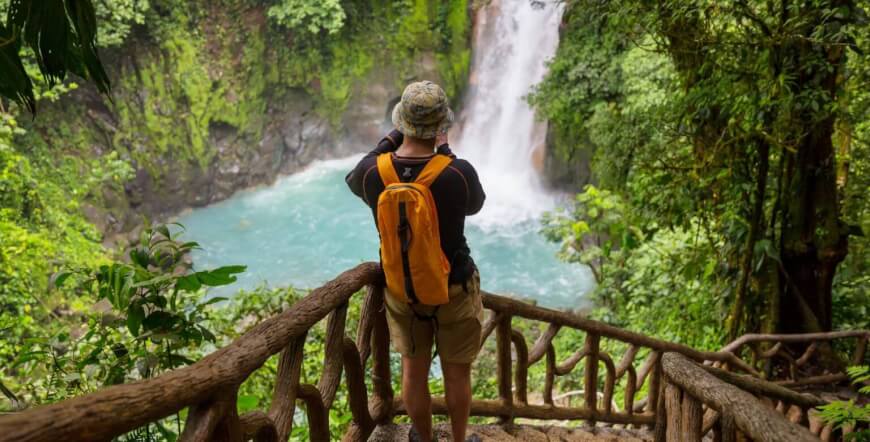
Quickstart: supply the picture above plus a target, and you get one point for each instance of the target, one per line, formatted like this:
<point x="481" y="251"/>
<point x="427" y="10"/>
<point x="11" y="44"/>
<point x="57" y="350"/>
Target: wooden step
<point x="399" y="432"/>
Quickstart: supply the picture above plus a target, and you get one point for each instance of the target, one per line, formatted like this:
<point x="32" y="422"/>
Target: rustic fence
<point x="209" y="387"/>
<point x="794" y="360"/>
<point x="697" y="401"/>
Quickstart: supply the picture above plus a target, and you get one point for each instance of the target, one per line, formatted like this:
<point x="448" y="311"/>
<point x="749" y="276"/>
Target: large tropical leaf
<point x="14" y="82"/>
<point x="63" y="37"/>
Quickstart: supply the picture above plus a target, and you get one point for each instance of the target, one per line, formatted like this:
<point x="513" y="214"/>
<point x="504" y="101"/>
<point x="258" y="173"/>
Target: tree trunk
<point x="814" y="238"/>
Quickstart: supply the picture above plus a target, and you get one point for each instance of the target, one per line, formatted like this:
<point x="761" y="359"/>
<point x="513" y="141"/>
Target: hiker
<point x="420" y="195"/>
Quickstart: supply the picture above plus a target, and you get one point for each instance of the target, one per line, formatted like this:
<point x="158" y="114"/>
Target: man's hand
<point x="394" y="140"/>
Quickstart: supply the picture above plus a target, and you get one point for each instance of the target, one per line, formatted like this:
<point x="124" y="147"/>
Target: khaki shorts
<point x="460" y="324"/>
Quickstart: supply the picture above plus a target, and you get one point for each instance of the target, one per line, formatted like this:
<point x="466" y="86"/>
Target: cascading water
<point x="498" y="132"/>
<point x="308" y="227"/>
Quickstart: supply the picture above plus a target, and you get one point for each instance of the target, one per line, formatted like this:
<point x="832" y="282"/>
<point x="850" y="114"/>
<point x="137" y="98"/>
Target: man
<point x="422" y="119"/>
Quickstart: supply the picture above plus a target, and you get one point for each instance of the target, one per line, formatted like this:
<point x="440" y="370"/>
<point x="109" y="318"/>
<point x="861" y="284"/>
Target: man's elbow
<point x="475" y="208"/>
<point x="353" y="183"/>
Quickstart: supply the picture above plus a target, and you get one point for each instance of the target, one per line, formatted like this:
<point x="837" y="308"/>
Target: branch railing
<point x="786" y="358"/>
<point x="209" y="387"/>
<point x="697" y="400"/>
<point x="514" y="358"/>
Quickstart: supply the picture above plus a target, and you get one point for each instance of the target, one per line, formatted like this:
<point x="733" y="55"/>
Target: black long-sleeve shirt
<point x="457" y="193"/>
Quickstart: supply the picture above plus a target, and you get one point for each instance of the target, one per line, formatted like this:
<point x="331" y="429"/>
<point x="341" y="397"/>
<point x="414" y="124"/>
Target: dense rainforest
<point x="719" y="151"/>
<point x="730" y="146"/>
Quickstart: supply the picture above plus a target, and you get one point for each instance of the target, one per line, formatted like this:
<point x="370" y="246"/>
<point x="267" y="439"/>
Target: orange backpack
<point x="411" y="254"/>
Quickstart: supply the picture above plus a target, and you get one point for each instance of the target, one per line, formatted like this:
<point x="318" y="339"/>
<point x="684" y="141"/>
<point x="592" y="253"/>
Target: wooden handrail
<point x="688" y="383"/>
<point x="798" y="337"/>
<point x="209" y="387"/>
<point x="524" y="310"/>
<point x="119" y="409"/>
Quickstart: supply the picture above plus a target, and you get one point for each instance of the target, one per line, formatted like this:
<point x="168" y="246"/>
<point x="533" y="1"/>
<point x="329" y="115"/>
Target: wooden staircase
<point x="525" y="433"/>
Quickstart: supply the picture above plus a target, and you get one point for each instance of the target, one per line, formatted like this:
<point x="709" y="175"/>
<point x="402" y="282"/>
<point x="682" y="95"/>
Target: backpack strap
<point x="386" y="169"/>
<point x="433" y="168"/>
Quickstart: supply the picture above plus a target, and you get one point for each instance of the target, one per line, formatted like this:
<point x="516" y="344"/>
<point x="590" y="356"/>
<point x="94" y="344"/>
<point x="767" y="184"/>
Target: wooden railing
<point x="794" y="360"/>
<point x="514" y="358"/>
<point x="731" y="412"/>
<point x="209" y="387"/>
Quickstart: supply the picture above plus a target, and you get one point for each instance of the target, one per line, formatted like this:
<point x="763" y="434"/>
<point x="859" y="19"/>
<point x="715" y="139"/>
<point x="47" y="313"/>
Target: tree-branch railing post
<point x="655" y="384"/>
<point x="522" y="373"/>
<point x="860" y="350"/>
<point x="283" y="405"/>
<point x="214" y="420"/>
<point x="362" y="425"/>
<point x="318" y="415"/>
<point x="381" y="405"/>
<point x="257" y="426"/>
<point x="590" y="375"/>
<point x="330" y="378"/>
<point x="368" y="311"/>
<point x="550" y="374"/>
<point x="503" y="333"/>
<point x="609" y="382"/>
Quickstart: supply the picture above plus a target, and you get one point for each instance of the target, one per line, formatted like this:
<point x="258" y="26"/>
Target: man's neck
<point x="412" y="149"/>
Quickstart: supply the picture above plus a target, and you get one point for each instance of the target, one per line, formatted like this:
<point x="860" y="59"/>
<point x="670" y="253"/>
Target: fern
<point x="860" y="375"/>
<point x="844" y="414"/>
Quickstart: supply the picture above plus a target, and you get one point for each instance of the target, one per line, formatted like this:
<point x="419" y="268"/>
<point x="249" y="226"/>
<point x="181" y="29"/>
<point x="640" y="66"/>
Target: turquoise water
<point x="309" y="227"/>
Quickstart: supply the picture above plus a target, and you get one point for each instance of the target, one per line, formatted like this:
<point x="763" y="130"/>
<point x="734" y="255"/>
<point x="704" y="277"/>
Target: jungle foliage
<point x="730" y="145"/>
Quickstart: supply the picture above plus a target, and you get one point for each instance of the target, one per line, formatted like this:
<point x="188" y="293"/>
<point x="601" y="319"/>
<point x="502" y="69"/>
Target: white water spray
<point x="498" y="132"/>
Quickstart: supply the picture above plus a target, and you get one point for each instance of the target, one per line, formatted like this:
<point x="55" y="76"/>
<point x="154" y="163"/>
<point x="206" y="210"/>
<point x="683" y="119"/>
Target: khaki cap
<point x="423" y="111"/>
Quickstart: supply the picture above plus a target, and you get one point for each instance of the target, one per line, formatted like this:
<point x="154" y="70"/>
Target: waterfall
<point x="308" y="227"/>
<point x="497" y="130"/>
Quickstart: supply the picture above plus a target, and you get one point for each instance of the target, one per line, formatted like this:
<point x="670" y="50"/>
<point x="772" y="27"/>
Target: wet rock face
<point x="568" y="174"/>
<point x="293" y="138"/>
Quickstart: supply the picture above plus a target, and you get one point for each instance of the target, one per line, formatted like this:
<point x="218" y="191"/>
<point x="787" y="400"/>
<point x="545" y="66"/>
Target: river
<point x="308" y="227"/>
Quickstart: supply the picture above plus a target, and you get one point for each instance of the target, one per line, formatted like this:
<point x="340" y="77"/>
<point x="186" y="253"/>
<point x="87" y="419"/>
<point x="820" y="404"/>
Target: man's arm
<point x="476" y="197"/>
<point x="354" y="178"/>
<point x="475" y="191"/>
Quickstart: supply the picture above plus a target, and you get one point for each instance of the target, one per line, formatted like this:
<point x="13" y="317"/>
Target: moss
<point x="167" y="106"/>
<point x="454" y="56"/>
<point x="348" y="64"/>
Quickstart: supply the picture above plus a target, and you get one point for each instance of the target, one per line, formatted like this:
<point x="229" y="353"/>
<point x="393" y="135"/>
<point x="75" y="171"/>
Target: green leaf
<point x="214" y="300"/>
<point x="153" y="281"/>
<point x="189" y="283"/>
<point x="60" y="278"/>
<point x="164" y="230"/>
<point x="176" y="360"/>
<point x="159" y="320"/>
<point x="139" y="257"/>
<point x="207" y="334"/>
<point x="220" y="276"/>
<point x="14" y="82"/>
<point x="135" y="316"/>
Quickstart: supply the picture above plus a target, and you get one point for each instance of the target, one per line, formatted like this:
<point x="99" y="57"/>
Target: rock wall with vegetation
<point x="211" y="97"/>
